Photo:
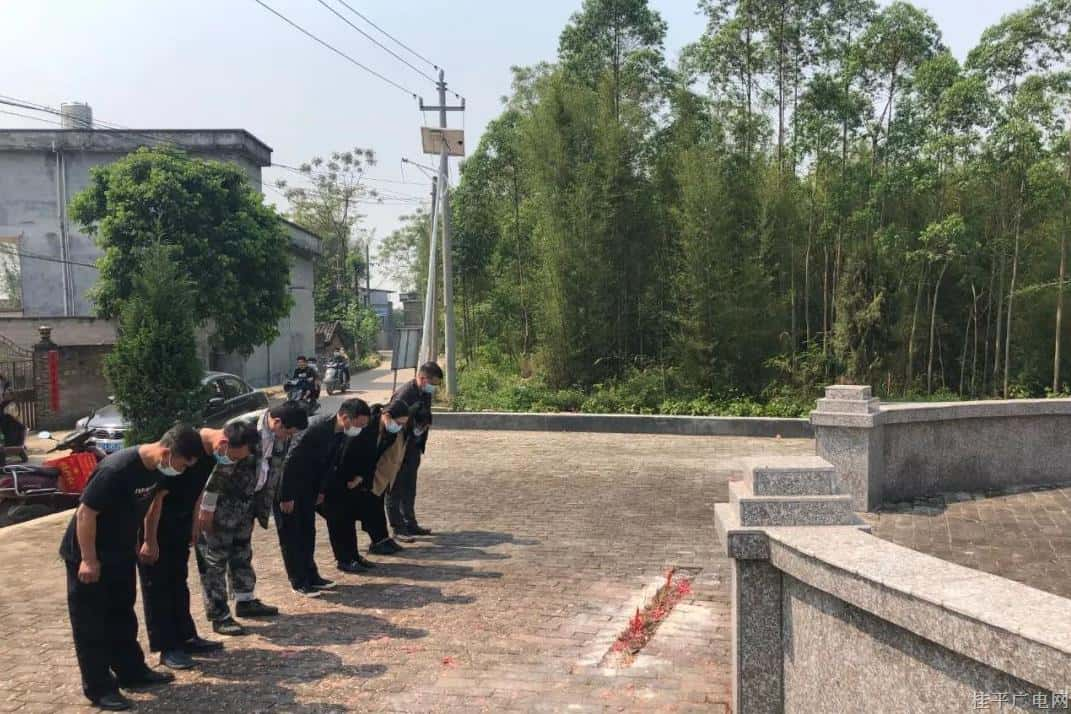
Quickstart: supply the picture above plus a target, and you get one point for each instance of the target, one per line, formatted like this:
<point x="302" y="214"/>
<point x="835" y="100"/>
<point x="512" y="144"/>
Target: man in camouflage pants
<point x="235" y="496"/>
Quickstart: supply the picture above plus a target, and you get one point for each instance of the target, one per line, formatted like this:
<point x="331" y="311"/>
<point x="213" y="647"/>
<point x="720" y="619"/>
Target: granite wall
<point x="896" y="452"/>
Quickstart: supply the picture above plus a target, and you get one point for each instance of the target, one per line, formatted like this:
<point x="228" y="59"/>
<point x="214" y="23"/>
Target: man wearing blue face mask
<point x="235" y="497"/>
<point x="401" y="500"/>
<point x="165" y="551"/>
<point x="100" y="549"/>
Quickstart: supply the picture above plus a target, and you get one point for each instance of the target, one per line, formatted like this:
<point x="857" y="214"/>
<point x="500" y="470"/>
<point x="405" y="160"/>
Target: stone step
<point x="752" y="510"/>
<point x="790" y="476"/>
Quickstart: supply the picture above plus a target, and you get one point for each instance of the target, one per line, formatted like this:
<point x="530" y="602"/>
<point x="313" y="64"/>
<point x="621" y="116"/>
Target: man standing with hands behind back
<point x="100" y="549"/>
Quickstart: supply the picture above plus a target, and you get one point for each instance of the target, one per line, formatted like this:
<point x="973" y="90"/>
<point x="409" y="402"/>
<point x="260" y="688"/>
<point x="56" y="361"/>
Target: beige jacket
<point x="388" y="465"/>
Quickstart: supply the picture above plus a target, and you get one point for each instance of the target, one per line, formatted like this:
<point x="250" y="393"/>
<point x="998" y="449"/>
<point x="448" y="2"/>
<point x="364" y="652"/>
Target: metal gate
<point x="17" y="383"/>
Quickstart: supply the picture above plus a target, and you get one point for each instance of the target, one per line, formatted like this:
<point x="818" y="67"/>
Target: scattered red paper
<point x="449" y="662"/>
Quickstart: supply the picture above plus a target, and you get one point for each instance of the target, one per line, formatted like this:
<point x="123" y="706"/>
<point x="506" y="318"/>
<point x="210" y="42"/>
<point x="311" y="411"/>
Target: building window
<point x="10" y="275"/>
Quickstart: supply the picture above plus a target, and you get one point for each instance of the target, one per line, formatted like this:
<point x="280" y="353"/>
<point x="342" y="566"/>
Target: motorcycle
<point x="301" y="391"/>
<point x="53" y="485"/>
<point x="333" y="381"/>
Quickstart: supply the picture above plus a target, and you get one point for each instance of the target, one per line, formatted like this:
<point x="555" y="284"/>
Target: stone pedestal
<point x="795" y="491"/>
<point x="848" y="433"/>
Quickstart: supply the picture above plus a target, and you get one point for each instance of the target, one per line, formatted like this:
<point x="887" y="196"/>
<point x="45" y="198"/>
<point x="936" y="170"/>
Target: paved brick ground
<point x="548" y="543"/>
<point x="1024" y="536"/>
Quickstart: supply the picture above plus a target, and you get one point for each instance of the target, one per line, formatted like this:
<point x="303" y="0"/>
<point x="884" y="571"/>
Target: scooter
<point x="54" y="485"/>
<point x="333" y="381"/>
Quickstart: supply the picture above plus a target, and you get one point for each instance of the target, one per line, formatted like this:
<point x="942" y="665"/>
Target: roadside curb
<point x="627" y="424"/>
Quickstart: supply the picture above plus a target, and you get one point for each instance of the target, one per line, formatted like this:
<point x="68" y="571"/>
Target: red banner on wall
<point x="53" y="379"/>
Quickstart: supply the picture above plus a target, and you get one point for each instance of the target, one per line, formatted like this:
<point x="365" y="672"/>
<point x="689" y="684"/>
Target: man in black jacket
<point x="401" y="501"/>
<point x="309" y="469"/>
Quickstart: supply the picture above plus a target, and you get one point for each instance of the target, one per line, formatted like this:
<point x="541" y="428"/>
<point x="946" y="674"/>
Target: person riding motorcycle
<point x="342" y="360"/>
<point x="308" y="379"/>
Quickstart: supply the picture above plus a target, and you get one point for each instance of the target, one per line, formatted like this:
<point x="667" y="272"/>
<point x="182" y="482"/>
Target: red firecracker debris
<point x="642" y="626"/>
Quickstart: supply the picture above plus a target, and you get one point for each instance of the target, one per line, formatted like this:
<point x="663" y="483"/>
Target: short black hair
<point x="184" y="441"/>
<point x="419" y="417"/>
<point x="397" y="409"/>
<point x="431" y="369"/>
<point x="302" y="358"/>
<point x="241" y="433"/>
<point x="291" y="414"/>
<point x="354" y="408"/>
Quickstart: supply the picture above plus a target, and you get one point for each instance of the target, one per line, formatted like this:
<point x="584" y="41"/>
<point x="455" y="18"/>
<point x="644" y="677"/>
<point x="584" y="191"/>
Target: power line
<point x="379" y="44"/>
<point x="27" y="116"/>
<point x="334" y="49"/>
<point x="396" y="40"/>
<point x="47" y="258"/>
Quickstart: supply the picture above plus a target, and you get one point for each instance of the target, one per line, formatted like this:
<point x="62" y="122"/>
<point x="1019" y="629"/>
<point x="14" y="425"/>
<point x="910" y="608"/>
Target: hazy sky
<point x="231" y="64"/>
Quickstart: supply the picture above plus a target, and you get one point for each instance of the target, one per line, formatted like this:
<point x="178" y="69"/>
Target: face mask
<point x="353" y="431"/>
<point x="430" y="388"/>
<point x="167" y="470"/>
<point x="417" y="431"/>
<point x="223" y="459"/>
<point x="394" y="427"/>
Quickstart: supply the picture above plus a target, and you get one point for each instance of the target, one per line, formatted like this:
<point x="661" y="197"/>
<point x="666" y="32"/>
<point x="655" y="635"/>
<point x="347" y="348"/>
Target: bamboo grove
<point x="815" y="191"/>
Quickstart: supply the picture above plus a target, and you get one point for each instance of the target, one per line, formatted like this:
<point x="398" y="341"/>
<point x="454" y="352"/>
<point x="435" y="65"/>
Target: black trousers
<point x="373" y="516"/>
<point x="297" y="539"/>
<point x="105" y="627"/>
<point x="401" y="500"/>
<point x="341" y="510"/>
<point x="165" y="595"/>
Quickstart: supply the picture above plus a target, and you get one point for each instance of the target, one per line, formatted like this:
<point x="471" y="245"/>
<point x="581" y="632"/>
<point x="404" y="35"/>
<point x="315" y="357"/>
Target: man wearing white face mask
<point x="340" y="505"/>
<point x="401" y="501"/>
<point x="234" y="498"/>
<point x="100" y="549"/>
<point x="310" y="468"/>
<point x="165" y="551"/>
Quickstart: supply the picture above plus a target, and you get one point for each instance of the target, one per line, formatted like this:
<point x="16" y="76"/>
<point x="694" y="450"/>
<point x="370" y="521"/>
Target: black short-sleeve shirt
<point x="120" y="490"/>
<point x="176" y="515"/>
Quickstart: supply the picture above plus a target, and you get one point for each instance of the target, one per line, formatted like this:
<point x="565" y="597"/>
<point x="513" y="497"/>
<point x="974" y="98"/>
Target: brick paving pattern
<point x="548" y="542"/>
<point x="1023" y="535"/>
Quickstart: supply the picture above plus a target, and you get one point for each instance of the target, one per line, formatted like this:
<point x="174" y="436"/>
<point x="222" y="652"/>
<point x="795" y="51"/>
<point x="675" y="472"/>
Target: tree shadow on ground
<point x="333" y="628"/>
<point x="396" y="596"/>
<point x="432" y="573"/>
<point x="464" y="545"/>
<point x="288" y="666"/>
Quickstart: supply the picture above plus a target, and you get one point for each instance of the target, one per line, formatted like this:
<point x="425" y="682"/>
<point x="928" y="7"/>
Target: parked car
<point x="229" y="397"/>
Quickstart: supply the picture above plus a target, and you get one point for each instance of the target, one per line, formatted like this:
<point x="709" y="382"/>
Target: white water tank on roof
<point x="76" y="115"/>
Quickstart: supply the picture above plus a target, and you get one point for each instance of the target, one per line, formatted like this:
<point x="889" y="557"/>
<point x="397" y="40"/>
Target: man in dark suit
<point x="309" y="470"/>
<point x="401" y="500"/>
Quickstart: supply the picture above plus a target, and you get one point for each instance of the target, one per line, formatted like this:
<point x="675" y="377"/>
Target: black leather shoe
<point x="365" y="562"/>
<point x="147" y="678"/>
<point x="322" y="583"/>
<point x="307" y="591"/>
<point x="383" y="547"/>
<point x="404" y="536"/>
<point x="254" y="608"/>
<point x="227" y="626"/>
<point x="197" y="645"/>
<point x="352" y="567"/>
<point x="176" y="659"/>
<point x="418" y="531"/>
<point x="112" y="703"/>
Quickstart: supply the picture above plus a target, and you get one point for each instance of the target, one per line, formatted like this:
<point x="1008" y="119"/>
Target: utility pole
<point x="428" y="351"/>
<point x="444" y="208"/>
<point x="368" y="268"/>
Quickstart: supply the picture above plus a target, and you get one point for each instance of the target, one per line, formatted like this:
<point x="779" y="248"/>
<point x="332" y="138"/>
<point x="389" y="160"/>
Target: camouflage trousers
<point x="225" y="555"/>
